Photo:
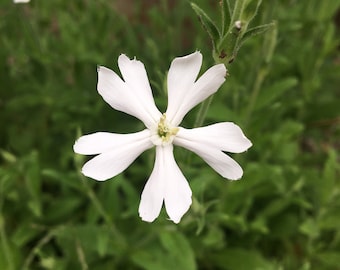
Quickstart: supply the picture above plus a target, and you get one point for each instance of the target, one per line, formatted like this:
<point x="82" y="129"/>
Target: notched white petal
<point x="123" y="97"/>
<point x="205" y="86"/>
<point x="223" y="164"/>
<point x="116" y="159"/>
<point x="134" y="74"/>
<point x="115" y="92"/>
<point x="182" y="74"/>
<point x="99" y="142"/>
<point x="153" y="193"/>
<point x="177" y="197"/>
<point x="165" y="183"/>
<point x="219" y="161"/>
<point x="225" y="136"/>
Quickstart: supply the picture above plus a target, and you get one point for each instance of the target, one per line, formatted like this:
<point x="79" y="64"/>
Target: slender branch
<point x="36" y="248"/>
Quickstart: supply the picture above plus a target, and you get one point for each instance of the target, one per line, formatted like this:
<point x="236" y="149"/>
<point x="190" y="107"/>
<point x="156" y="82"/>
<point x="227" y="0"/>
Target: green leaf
<point x="7" y="156"/>
<point x="226" y="15"/>
<point x="61" y="209"/>
<point x="214" y="238"/>
<point x="237" y="12"/>
<point x="173" y="252"/>
<point x="330" y="220"/>
<point x="251" y="10"/>
<point x="151" y="259"/>
<point x="95" y="240"/>
<point x="329" y="258"/>
<point x="242" y="259"/>
<point x="102" y="242"/>
<point x="33" y="182"/>
<point x="24" y="234"/>
<point x="178" y="246"/>
<point x="269" y="94"/>
<point x="327" y="189"/>
<point x="10" y="254"/>
<point x="207" y="24"/>
<point x="275" y="207"/>
<point x="256" y="31"/>
<point x="310" y="228"/>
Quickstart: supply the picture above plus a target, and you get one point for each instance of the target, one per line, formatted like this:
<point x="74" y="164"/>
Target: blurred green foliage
<point x="283" y="90"/>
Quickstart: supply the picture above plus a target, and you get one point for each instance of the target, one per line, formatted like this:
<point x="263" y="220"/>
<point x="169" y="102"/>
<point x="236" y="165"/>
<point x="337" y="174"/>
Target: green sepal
<point x="226" y="49"/>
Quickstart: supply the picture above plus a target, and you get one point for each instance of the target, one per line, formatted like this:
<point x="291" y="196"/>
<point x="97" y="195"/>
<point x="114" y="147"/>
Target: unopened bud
<point x="238" y="25"/>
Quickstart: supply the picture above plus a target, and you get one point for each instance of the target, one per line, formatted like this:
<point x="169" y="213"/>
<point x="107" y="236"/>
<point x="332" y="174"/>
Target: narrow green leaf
<point x="237" y="13"/>
<point x="242" y="259"/>
<point x="329" y="258"/>
<point x="251" y="10"/>
<point x="7" y="156"/>
<point x="327" y="189"/>
<point x="330" y="219"/>
<point x="178" y="246"/>
<point x="310" y="228"/>
<point x="207" y="24"/>
<point x="256" y="31"/>
<point x="173" y="252"/>
<point x="103" y="239"/>
<point x="226" y="15"/>
<point x="274" y="91"/>
<point x="33" y="182"/>
<point x="270" y="43"/>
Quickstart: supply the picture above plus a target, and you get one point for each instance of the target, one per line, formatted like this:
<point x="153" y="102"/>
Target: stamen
<point x="165" y="132"/>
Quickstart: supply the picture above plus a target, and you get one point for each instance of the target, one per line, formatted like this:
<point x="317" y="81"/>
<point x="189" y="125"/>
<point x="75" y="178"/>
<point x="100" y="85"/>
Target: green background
<point x="283" y="90"/>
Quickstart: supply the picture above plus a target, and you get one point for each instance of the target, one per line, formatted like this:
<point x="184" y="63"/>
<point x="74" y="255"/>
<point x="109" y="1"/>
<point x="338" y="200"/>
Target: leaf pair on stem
<point x="235" y="19"/>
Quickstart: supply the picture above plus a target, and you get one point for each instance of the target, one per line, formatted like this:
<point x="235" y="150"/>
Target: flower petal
<point x="20" y="1"/>
<point x="135" y="77"/>
<point x="192" y="93"/>
<point x="219" y="161"/>
<point x="182" y="74"/>
<point x="225" y="136"/>
<point x="153" y="193"/>
<point x="166" y="182"/>
<point x="100" y="142"/>
<point x="119" y="155"/>
<point x="122" y="97"/>
<point x="177" y="197"/>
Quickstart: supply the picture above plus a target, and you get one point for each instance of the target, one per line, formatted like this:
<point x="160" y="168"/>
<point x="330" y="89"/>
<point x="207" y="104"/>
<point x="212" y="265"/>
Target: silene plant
<point x="132" y="94"/>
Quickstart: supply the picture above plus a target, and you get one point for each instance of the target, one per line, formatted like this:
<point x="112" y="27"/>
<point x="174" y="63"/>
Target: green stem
<point x="202" y="112"/>
<point x="50" y="234"/>
<point x="81" y="256"/>
<point x="102" y="212"/>
<point x="261" y="75"/>
<point x="4" y="242"/>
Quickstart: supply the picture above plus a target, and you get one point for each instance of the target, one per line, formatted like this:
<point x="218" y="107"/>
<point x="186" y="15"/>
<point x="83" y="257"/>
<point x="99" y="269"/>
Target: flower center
<point x="164" y="132"/>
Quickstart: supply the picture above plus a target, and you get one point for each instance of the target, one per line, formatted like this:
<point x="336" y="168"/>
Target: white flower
<point x="20" y="1"/>
<point x="133" y="96"/>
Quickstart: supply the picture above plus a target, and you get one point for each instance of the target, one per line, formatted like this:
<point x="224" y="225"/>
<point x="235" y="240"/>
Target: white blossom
<point x="132" y="94"/>
<point x="20" y="1"/>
